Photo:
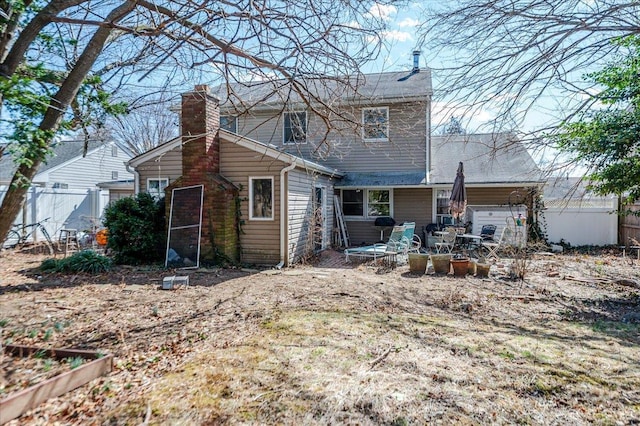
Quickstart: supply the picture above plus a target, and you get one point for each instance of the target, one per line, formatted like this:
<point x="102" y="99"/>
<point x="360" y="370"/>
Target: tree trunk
<point x="13" y="200"/>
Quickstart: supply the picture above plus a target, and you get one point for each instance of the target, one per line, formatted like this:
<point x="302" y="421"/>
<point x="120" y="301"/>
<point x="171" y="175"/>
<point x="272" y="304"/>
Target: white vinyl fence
<point x="582" y="222"/>
<point x="66" y="208"/>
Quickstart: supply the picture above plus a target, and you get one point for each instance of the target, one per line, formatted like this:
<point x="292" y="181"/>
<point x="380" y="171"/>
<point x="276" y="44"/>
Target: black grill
<point x="385" y="221"/>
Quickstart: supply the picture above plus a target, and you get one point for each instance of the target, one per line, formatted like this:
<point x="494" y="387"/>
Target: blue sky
<point x="402" y="39"/>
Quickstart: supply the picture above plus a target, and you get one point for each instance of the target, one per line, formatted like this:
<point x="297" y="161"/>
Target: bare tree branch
<point x="522" y="57"/>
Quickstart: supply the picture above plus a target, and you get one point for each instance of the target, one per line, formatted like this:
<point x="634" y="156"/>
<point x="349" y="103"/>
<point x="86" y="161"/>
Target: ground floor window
<point x="443" y="217"/>
<point x="261" y="198"/>
<point x="367" y="203"/>
<point x="156" y="187"/>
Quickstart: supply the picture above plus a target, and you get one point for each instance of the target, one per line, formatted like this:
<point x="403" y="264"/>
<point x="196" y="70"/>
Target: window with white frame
<point x="442" y="207"/>
<point x="353" y="202"/>
<point x="114" y="151"/>
<point x="295" y="127"/>
<point x="156" y="187"/>
<point x="261" y="198"/>
<point x="114" y="175"/>
<point x="378" y="202"/>
<point x="375" y="124"/>
<point x="367" y="203"/>
<point x="229" y="122"/>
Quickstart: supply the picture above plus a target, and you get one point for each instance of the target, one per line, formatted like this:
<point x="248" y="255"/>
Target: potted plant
<point x="460" y="264"/>
<point x="418" y="263"/>
<point x="482" y="268"/>
<point x="440" y="263"/>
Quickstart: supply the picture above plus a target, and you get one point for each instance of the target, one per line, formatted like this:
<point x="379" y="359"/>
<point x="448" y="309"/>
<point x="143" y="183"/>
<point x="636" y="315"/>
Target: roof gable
<point x="259" y="147"/>
<point x="62" y="152"/>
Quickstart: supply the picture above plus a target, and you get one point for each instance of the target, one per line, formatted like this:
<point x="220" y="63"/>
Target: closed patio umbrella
<point x="458" y="199"/>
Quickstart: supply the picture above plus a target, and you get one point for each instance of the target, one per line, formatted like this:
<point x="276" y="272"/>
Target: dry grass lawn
<point x="340" y="344"/>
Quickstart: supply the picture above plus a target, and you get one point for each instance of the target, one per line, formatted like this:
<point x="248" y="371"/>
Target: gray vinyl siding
<point x="344" y="148"/>
<point x="259" y="239"/>
<point x="301" y="193"/>
<point x="168" y="165"/>
<point x="86" y="172"/>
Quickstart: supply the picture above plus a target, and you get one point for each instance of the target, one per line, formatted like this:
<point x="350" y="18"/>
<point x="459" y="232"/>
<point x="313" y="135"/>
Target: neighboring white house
<point x="574" y="216"/>
<point x="72" y="188"/>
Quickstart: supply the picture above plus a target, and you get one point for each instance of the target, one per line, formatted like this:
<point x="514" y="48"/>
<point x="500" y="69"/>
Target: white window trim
<point x="161" y="193"/>
<point x="273" y="198"/>
<point x="284" y="127"/>
<point x="235" y="122"/>
<point x="385" y="108"/>
<point x="365" y="202"/>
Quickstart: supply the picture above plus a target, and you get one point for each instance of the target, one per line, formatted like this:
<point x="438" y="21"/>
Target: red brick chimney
<point x="200" y="144"/>
<point x="219" y="241"/>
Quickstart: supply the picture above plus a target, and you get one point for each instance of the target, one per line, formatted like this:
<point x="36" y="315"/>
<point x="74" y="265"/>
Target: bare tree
<point x="519" y="58"/>
<point x="146" y="125"/>
<point x="94" y="48"/>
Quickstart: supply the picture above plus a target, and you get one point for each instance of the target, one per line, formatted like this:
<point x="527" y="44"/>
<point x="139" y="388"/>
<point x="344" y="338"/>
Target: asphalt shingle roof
<point x="488" y="158"/>
<point x="369" y="88"/>
<point x="62" y="152"/>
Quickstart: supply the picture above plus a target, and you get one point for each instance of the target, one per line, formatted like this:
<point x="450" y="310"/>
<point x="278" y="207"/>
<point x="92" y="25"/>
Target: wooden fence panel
<point x="630" y="227"/>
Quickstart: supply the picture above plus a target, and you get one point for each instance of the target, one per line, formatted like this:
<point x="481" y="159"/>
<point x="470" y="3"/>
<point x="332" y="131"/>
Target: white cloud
<point x="395" y="35"/>
<point x="408" y="22"/>
<point x="382" y="11"/>
<point x="472" y="119"/>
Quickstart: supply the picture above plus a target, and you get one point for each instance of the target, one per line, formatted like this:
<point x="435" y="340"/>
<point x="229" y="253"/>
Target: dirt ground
<point x="336" y="343"/>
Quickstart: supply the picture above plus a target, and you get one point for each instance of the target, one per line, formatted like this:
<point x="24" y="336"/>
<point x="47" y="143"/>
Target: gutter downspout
<point x="284" y="216"/>
<point x="136" y="178"/>
<point x="428" y="147"/>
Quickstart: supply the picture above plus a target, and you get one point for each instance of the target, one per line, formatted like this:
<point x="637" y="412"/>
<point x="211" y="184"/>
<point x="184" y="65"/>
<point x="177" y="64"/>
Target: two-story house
<point x="284" y="159"/>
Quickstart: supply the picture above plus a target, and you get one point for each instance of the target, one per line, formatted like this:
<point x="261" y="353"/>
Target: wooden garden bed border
<point x="14" y="405"/>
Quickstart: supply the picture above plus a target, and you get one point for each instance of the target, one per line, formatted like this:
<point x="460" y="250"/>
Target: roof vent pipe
<point x="416" y="61"/>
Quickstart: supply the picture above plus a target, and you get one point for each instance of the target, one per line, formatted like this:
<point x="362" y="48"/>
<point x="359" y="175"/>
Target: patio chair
<point x="488" y="232"/>
<point x="448" y="240"/>
<point x="492" y="248"/>
<point x="413" y="241"/>
<point x="396" y="244"/>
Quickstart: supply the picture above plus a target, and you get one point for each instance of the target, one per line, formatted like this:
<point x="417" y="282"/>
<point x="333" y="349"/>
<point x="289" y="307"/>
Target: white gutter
<point x="427" y="174"/>
<point x="136" y="178"/>
<point x="284" y="216"/>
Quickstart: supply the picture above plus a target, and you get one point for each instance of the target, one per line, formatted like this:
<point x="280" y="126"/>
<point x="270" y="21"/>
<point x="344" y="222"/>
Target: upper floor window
<point x="114" y="175"/>
<point x="375" y="124"/>
<point x="229" y="122"/>
<point x="114" y="151"/>
<point x="295" y="127"/>
<point x="261" y="198"/>
<point x="156" y="187"/>
<point x="367" y="203"/>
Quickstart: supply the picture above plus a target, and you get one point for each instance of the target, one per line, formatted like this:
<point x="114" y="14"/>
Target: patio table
<point x="468" y="241"/>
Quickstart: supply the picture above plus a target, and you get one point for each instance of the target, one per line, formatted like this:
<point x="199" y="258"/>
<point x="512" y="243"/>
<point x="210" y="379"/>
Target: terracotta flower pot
<point x="471" y="270"/>
<point x="460" y="266"/>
